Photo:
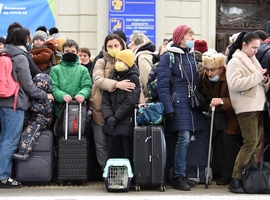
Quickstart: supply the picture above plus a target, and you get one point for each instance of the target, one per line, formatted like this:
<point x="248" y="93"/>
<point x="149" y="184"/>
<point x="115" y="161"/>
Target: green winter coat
<point x="69" y="78"/>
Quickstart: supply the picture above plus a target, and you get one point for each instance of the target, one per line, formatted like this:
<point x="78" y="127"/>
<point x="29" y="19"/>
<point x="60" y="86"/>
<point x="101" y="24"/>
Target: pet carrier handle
<point x="80" y="120"/>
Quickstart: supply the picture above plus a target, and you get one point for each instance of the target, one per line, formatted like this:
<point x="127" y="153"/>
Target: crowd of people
<point x="53" y="69"/>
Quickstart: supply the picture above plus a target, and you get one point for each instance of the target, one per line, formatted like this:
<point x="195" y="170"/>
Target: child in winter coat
<point x="43" y="51"/>
<point x="38" y="118"/>
<point x="117" y="107"/>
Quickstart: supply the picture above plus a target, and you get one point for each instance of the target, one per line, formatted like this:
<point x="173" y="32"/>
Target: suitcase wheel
<point x="137" y="188"/>
<point x="162" y="188"/>
<point x="84" y="183"/>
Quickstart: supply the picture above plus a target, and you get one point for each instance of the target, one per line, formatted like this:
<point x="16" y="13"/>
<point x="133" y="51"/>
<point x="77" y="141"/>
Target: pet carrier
<point x="117" y="175"/>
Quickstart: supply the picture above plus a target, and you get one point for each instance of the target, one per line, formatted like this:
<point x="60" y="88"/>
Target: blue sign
<point x="130" y="15"/>
<point x="29" y="13"/>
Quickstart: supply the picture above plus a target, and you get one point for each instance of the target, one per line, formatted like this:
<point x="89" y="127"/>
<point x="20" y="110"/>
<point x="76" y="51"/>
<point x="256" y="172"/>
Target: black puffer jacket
<point x="120" y="104"/>
<point x="263" y="56"/>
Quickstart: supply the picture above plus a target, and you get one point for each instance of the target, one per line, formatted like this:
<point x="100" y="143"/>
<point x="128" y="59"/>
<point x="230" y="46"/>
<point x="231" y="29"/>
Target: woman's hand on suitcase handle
<point x="79" y="98"/>
<point x="67" y="98"/>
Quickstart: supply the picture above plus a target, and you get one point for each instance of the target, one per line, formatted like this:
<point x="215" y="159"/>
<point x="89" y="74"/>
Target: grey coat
<point x="22" y="71"/>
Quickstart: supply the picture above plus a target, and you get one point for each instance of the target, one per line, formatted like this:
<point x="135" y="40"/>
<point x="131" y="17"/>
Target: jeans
<point x="252" y="128"/>
<point x="12" y="126"/>
<point x="183" y="139"/>
<point x="101" y="143"/>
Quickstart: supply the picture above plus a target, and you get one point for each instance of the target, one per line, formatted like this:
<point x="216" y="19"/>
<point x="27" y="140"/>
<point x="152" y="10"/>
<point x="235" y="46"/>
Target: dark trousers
<point x="252" y="128"/>
<point x="225" y="150"/>
<point x="120" y="147"/>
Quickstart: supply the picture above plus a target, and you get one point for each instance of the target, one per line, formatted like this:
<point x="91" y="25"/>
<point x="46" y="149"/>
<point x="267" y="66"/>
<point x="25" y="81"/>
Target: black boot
<point x="191" y="182"/>
<point x="223" y="180"/>
<point x="180" y="183"/>
<point x="21" y="156"/>
<point x="236" y="186"/>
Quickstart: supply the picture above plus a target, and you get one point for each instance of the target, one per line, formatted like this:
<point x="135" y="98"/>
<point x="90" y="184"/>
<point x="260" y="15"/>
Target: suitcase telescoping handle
<point x="80" y="120"/>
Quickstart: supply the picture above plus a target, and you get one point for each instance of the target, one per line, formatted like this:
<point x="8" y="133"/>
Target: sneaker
<point x="180" y="183"/>
<point x="9" y="183"/>
<point x="236" y="186"/>
<point x="191" y="182"/>
<point x="21" y="156"/>
<point x="223" y="181"/>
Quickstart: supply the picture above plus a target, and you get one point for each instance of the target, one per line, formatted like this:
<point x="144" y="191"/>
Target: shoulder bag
<point x="197" y="100"/>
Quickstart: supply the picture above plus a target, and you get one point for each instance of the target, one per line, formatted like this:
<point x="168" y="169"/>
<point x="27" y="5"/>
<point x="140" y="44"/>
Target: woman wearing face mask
<point x="227" y="140"/>
<point x="103" y="68"/>
<point x="174" y="94"/>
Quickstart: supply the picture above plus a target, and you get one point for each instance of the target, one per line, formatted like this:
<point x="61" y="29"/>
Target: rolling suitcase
<point x="39" y="167"/>
<point x="149" y="156"/>
<point x="72" y="154"/>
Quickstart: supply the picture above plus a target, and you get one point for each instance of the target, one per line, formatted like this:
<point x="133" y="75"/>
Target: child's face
<point x="71" y="49"/>
<point x="84" y="58"/>
<point x="1" y="45"/>
<point x="38" y="42"/>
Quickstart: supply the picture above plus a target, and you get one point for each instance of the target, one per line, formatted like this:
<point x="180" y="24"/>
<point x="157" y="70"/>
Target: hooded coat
<point x="22" y="71"/>
<point x="173" y="91"/>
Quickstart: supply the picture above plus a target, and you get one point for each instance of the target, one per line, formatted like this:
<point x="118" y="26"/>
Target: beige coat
<point x="246" y="89"/>
<point x="145" y="65"/>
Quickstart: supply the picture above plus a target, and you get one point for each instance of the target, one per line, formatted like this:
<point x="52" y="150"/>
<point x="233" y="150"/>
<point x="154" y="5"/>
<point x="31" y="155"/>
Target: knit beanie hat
<point x="213" y="61"/>
<point x="179" y="33"/>
<point x="201" y="46"/>
<point x="3" y="40"/>
<point x="121" y="34"/>
<point x="126" y="56"/>
<point x="40" y="35"/>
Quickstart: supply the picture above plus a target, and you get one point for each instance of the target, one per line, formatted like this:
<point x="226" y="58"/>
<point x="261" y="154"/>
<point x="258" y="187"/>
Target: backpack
<point x="8" y="86"/>
<point x="152" y="78"/>
<point x="73" y="119"/>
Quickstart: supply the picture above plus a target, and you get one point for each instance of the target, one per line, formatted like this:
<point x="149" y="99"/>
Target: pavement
<point x="95" y="190"/>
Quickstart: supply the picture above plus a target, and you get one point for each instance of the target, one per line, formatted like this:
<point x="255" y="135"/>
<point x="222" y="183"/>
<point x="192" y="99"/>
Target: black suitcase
<point x="72" y="155"/>
<point x="39" y="167"/>
<point x="149" y="156"/>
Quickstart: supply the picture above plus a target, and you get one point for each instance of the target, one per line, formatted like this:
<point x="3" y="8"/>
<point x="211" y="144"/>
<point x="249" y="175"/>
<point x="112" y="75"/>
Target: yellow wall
<point x="86" y="21"/>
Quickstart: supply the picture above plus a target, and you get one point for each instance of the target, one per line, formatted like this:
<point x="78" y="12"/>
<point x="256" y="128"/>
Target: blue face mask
<point x="214" y="79"/>
<point x="189" y="44"/>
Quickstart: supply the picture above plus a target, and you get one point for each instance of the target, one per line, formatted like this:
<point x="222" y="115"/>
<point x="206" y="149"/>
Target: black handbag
<point x="256" y="177"/>
<point x="197" y="100"/>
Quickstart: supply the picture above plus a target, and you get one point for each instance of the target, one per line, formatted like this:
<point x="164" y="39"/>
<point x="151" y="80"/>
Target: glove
<point x="169" y="116"/>
<point x="111" y="121"/>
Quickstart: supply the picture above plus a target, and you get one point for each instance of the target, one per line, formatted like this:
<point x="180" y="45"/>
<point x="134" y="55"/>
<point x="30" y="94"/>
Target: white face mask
<point x="214" y="79"/>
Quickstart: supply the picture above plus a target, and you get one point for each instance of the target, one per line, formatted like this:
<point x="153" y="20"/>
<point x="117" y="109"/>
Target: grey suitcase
<point x="39" y="167"/>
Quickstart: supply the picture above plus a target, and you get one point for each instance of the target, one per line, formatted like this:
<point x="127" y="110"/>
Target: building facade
<point x="86" y="21"/>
